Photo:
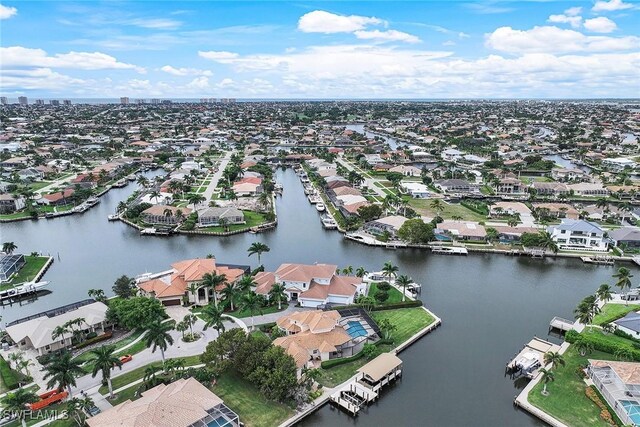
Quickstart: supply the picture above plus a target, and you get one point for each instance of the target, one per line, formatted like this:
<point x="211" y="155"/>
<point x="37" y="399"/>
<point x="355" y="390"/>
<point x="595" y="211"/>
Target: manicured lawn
<point x="138" y="373"/>
<point x="15" y="215"/>
<point x="423" y="206"/>
<point x="338" y="374"/>
<point x="611" y="312"/>
<point x="28" y="272"/>
<point x="119" y="344"/>
<point x="251" y="218"/>
<point x="394" y="294"/>
<point x="265" y="310"/>
<point x="37" y="185"/>
<point x="567" y="400"/>
<point x="251" y="406"/>
<point x="121" y="396"/>
<point x="408" y="321"/>
<point x="40" y="417"/>
<point x="7" y="374"/>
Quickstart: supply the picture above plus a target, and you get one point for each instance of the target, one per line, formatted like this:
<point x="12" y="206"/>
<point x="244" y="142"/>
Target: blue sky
<point x="382" y="49"/>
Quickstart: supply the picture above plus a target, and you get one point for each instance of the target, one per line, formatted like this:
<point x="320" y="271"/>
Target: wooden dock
<point x="560" y="324"/>
<point x="598" y="259"/>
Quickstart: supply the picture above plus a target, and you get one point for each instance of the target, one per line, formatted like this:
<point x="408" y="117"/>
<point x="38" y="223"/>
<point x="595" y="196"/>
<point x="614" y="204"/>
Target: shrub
<point x="94" y="340"/>
<point x="92" y="334"/>
<point x="381" y="296"/>
<point x="602" y="343"/>
<point x="383" y="286"/>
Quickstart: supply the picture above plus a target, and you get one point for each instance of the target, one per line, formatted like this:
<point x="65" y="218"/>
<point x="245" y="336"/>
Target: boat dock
<point x="22" y="290"/>
<point x="598" y="259"/>
<point x="530" y="358"/>
<point x="560" y="324"/>
<point x="365" y="386"/>
<point x="449" y="250"/>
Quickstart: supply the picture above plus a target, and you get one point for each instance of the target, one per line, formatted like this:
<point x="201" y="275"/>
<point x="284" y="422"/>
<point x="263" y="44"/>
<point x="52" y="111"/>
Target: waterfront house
<point x="164" y="214"/>
<point x="578" y="235"/>
<point x="313" y="285"/>
<point x="619" y="164"/>
<point x="61" y="198"/>
<point x="625" y="237"/>
<point x="10" y="264"/>
<point x="556" y="210"/>
<point x="10" y="203"/>
<point x="451" y="154"/>
<point x="182" y="403"/>
<point x="460" y="230"/>
<point x="35" y="331"/>
<point x="619" y="383"/>
<point x="417" y="190"/>
<point x="390" y="224"/>
<point x="629" y="324"/>
<point x="562" y="174"/>
<point x="406" y="170"/>
<point x="248" y="187"/>
<point x="588" y="189"/>
<point x="550" y="188"/>
<point x="457" y="186"/>
<point x="30" y="174"/>
<point x="169" y="287"/>
<point x="510" y="187"/>
<point x="211" y="217"/>
<point x="509" y="208"/>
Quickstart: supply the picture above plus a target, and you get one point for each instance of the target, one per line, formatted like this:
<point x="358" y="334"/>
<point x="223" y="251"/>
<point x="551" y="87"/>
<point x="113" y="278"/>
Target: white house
<point x="417" y="190"/>
<point x="578" y="235"/>
<point x="618" y="164"/>
<point x="451" y="154"/>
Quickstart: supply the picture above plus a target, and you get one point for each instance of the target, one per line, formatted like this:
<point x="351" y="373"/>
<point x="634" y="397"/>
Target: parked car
<point x="126" y="358"/>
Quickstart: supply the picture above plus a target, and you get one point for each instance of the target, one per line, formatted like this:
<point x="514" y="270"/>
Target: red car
<point x="126" y="358"/>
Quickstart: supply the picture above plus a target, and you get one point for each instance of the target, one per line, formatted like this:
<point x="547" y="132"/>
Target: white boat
<point x="449" y="250"/>
<point x="22" y="289"/>
<point x="320" y="207"/>
<point x="148" y="231"/>
<point x="375" y="276"/>
<point x="113" y="217"/>
<point x="313" y="199"/>
<point x="328" y="222"/>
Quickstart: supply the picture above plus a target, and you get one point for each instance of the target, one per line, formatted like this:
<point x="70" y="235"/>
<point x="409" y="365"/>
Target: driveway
<point x="208" y="193"/>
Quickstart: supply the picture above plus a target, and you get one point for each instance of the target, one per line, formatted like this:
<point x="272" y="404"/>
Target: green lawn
<point x="251" y="219"/>
<point x="57" y="423"/>
<point x="408" y="321"/>
<point x="394" y="294"/>
<point x="28" y="272"/>
<point x="251" y="406"/>
<point x="611" y="312"/>
<point x="119" y="344"/>
<point x="423" y="206"/>
<point x="16" y="215"/>
<point x="245" y="313"/>
<point x="567" y="400"/>
<point x="37" y="185"/>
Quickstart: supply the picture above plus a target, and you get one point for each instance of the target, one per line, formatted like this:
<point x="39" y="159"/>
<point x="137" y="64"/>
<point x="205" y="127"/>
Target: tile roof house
<point x="57" y="199"/>
<point x="172" y="285"/>
<point x="182" y="403"/>
<point x="461" y="230"/>
<point x="164" y="214"/>
<point x="618" y="382"/>
<point x="212" y="216"/>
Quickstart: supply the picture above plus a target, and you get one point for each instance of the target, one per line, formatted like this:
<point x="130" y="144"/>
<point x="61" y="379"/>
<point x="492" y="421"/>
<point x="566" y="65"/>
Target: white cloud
<point x="387" y="35"/>
<point x="610" y="6"/>
<point x="199" y="83"/>
<point x="600" y="25"/>
<point x="37" y="79"/>
<point x="182" y="71"/>
<point x="218" y="56"/>
<point x="7" y="12"/>
<point x="154" y="23"/>
<point x="27" y="57"/>
<point x="574" y="21"/>
<point x="320" y="21"/>
<point x="573" y="11"/>
<point x="551" y="39"/>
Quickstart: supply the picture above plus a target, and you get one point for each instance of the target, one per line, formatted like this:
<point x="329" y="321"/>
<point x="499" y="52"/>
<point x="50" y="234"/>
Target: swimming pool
<point x="633" y="410"/>
<point x="355" y="329"/>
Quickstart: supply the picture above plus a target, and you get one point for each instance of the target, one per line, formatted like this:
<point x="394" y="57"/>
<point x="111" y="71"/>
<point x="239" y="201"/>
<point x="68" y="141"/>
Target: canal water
<point x="490" y="304"/>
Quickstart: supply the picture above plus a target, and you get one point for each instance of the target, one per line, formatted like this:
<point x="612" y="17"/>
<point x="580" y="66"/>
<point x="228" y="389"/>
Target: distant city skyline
<point x="320" y="50"/>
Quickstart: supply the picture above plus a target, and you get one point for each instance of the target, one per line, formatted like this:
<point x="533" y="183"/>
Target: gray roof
<point x="625" y="233"/>
<point x="223" y="212"/>
<point x="630" y="321"/>
<point x="578" y="225"/>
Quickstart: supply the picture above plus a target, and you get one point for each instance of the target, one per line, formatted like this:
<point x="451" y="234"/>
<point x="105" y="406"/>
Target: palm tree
<point x="142" y="181"/>
<point x="546" y="377"/>
<point x="586" y="310"/>
<point x="264" y="200"/>
<point x="154" y="195"/>
<point x="193" y="289"/>
<point x="149" y="376"/>
<point x="554" y="358"/>
<point x="230" y="293"/>
<point x="437" y="206"/>
<point x="182" y="327"/>
<point x="389" y="270"/>
<point x="104" y="361"/>
<point x="190" y="320"/>
<point x="212" y="281"/>
<point x="258" y="248"/>
<point x="79" y="408"/>
<point x="251" y="302"/>
<point x="158" y="336"/>
<point x="624" y="279"/>
<point x="361" y="272"/>
<point x="277" y="294"/>
<point x="59" y="331"/>
<point x="194" y="199"/>
<point x="9" y="247"/>
<point x="584" y="347"/>
<point x="17" y="401"/>
<point x="97" y="294"/>
<point x="547" y="242"/>
<point x="62" y="371"/>
<point x="213" y="318"/>
<point x="604" y="293"/>
<point x="246" y="284"/>
<point x="403" y="281"/>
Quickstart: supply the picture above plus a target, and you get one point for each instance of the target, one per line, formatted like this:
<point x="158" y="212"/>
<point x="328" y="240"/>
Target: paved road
<point x="370" y="183"/>
<point x="56" y="183"/>
<point x="208" y="193"/>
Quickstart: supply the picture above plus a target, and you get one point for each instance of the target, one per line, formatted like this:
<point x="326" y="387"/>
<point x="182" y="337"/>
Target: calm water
<point x="490" y="305"/>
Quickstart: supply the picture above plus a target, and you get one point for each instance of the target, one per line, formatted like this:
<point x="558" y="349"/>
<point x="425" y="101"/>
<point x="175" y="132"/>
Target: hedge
<point x="341" y="361"/>
<point x="389" y="306"/>
<point x="88" y="342"/>
<point x="601" y="343"/>
<point x="10" y="377"/>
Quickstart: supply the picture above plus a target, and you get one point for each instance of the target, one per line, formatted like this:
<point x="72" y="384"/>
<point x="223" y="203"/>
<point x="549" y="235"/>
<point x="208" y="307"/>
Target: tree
<point x="251" y="302"/>
<point x="258" y="248"/>
<point x="554" y="358"/>
<point x="361" y="272"/>
<point x="547" y="242"/>
<point x="230" y="294"/>
<point x="182" y="327"/>
<point x="404" y="281"/>
<point x="276" y="375"/>
<point x="104" y="361"/>
<point x="213" y="317"/>
<point x="584" y="347"/>
<point x="211" y="281"/>
<point x="546" y="377"/>
<point x="137" y="312"/>
<point x="154" y="195"/>
<point x="61" y="371"/>
<point x="369" y="351"/>
<point x="59" y="332"/>
<point x="124" y="287"/>
<point x="16" y="403"/>
<point x="604" y="293"/>
<point x="9" y="247"/>
<point x="623" y="277"/>
<point x="277" y="294"/>
<point x="370" y="212"/>
<point x="586" y="310"/>
<point x="194" y="199"/>
<point x="416" y="231"/>
<point x="389" y="270"/>
<point x="193" y="290"/>
<point x="97" y="294"/>
<point x="190" y="320"/>
<point x="158" y="337"/>
<point x="438" y="206"/>
<point x="78" y="408"/>
<point x="386" y="327"/>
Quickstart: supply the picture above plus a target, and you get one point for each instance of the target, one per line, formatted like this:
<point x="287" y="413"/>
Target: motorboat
<point x="320" y="207"/>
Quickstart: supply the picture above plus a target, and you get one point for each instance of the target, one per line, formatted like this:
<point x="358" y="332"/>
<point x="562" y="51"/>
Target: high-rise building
<point x="3" y="100"/>
<point x="39" y="101"/>
<point x="54" y="102"/>
<point x="124" y="100"/>
<point x="155" y="101"/>
<point x="22" y="100"/>
<point x="140" y="101"/>
<point x="67" y="102"/>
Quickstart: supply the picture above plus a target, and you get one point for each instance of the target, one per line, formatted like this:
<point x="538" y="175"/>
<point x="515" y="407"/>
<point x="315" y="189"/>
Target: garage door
<point x="171" y="302"/>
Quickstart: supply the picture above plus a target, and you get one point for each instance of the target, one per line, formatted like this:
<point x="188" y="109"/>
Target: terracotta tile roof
<point x="264" y="281"/>
<point x="628" y="372"/>
<point x="305" y="272"/>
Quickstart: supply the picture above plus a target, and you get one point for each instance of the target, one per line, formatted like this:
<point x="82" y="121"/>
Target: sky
<point x="320" y="50"/>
